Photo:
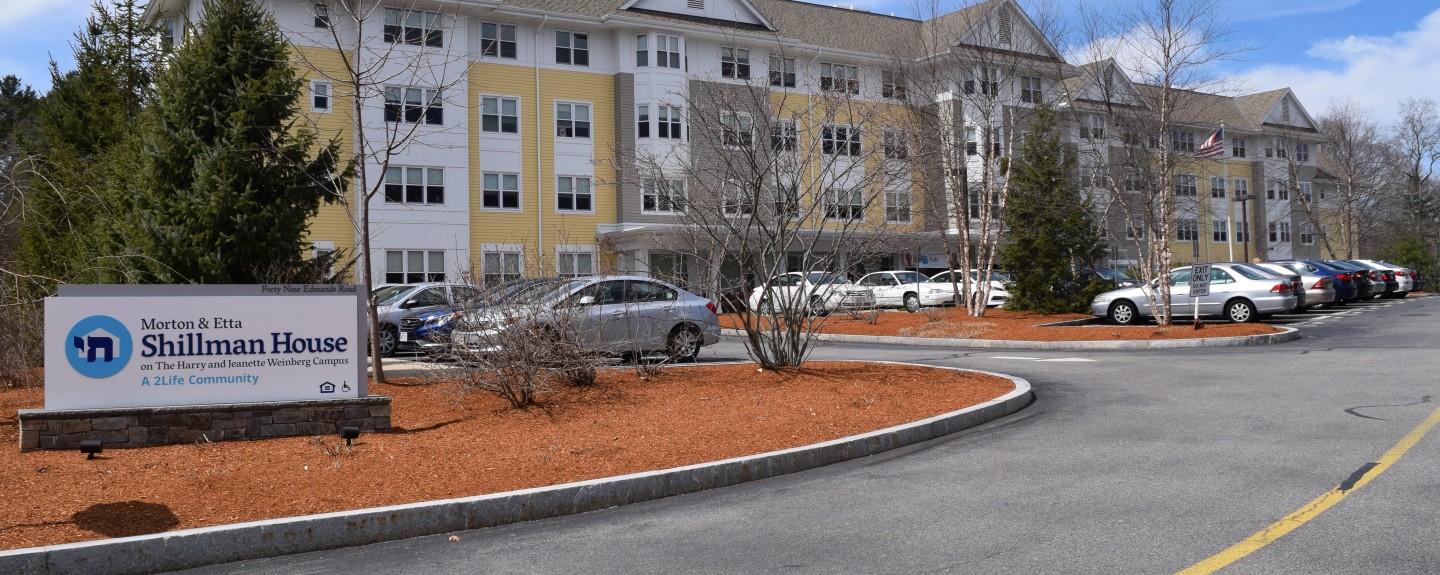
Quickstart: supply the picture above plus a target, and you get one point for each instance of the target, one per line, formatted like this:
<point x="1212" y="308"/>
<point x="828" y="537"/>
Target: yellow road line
<point x="1314" y="508"/>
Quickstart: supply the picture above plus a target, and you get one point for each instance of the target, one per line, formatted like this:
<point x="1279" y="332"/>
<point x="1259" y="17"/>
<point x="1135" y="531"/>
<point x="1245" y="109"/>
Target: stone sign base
<point x="144" y="426"/>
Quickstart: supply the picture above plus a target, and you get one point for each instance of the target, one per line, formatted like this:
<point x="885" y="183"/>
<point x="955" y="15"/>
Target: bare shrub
<point x="933" y="314"/>
<point x="868" y="315"/>
<point x="21" y="333"/>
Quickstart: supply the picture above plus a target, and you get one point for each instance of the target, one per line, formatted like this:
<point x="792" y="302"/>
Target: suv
<point x="394" y="303"/>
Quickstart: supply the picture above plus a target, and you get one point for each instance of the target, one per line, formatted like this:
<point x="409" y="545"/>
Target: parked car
<point x="1296" y="285"/>
<point x="1238" y="292"/>
<point x="1116" y="278"/>
<point x="430" y="331"/>
<point x="1404" y="277"/>
<point x="1319" y="290"/>
<point x="818" y="292"/>
<point x="905" y="289"/>
<point x="394" y="303"/>
<point x="1380" y="276"/>
<point x="1365" y="288"/>
<point x="617" y="315"/>
<point x="999" y="293"/>
<point x="1340" y="280"/>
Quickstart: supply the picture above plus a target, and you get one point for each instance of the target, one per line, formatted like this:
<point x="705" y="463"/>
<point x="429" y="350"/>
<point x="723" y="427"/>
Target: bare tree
<point x="1354" y="153"/>
<point x="1415" y="144"/>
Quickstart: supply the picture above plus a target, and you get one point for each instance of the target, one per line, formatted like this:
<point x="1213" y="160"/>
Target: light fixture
<point x="90" y="447"/>
<point x="349" y="434"/>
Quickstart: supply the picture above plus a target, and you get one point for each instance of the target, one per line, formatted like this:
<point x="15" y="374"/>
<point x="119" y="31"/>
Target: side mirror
<point x="585" y="300"/>
<point x="1155" y="282"/>
<point x="408" y="304"/>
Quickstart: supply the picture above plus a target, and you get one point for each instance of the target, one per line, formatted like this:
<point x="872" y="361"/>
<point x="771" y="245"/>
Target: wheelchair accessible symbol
<point x="98" y="346"/>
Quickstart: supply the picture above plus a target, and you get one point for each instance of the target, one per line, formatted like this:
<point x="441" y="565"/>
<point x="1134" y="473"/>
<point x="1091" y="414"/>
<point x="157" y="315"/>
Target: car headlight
<point x="1103" y="298"/>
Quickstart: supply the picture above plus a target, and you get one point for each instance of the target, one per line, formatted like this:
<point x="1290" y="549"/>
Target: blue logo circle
<point x="98" y="346"/>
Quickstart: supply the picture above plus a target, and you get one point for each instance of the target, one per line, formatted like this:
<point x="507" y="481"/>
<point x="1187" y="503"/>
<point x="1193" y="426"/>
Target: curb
<point x="191" y="548"/>
<point x="1289" y="334"/>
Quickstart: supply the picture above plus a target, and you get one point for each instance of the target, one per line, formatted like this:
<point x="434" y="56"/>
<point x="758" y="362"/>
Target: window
<point x="414" y="266"/>
<point x="1092" y="126"/>
<point x="997" y="142"/>
<point x="989" y="82"/>
<point x="500" y="191"/>
<point x="667" y="51"/>
<point x="1133" y="180"/>
<point x="322" y="16"/>
<point x="1186" y="185"/>
<point x="1030" y="90"/>
<point x="642" y="50"/>
<point x="1187" y="230"/>
<point x="1302" y="153"/>
<point x="418" y="28"/>
<point x="574" y="264"/>
<point x="499" y="115"/>
<point x="787" y="200"/>
<point x="1182" y="141"/>
<point x="782" y="72"/>
<point x="319" y="96"/>
<point x="736" y="202"/>
<point x="1217" y="187"/>
<point x="840" y="140"/>
<point x="642" y="121"/>
<point x="668" y="118"/>
<point x="1305" y="190"/>
<point x="499" y="266"/>
<point x="1279" y="232"/>
<point x="413" y="105"/>
<point x="1219" y="232"/>
<point x="783" y="136"/>
<point x="572" y="120"/>
<point x="975" y="198"/>
<point x="1241" y="234"/>
<point x="1277" y="191"/>
<point x="892" y="85"/>
<point x="839" y="78"/>
<point x="421" y="186"/>
<point x="844" y="204"/>
<point x="663" y="196"/>
<point x="167" y="32"/>
<point x="897" y="206"/>
<point x="735" y="62"/>
<point x="1242" y="187"/>
<point x="897" y="145"/>
<point x="573" y="194"/>
<point x="1237" y="147"/>
<point x="736" y="129"/>
<point x="497" y="40"/>
<point x="1275" y="148"/>
<point x="1307" y="235"/>
<point x="1135" y="228"/>
<point x="572" y="48"/>
<point x="972" y="142"/>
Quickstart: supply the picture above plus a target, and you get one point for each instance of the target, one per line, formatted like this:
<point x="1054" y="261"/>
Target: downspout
<point x="539" y="161"/>
<point x="810" y="124"/>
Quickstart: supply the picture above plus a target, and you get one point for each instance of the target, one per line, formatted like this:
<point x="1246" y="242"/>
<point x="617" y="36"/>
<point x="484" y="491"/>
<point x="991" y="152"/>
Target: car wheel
<point x="912" y="302"/>
<point x="389" y="340"/>
<point x="817" y="307"/>
<point x="767" y="307"/>
<point x="1123" y="313"/>
<point x="684" y="344"/>
<point x="1401" y="294"/>
<point x="1240" y="311"/>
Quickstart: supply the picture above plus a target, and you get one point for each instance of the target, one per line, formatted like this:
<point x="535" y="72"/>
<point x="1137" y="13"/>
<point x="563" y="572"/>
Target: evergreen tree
<point x="231" y="179"/>
<point x="1048" y="224"/>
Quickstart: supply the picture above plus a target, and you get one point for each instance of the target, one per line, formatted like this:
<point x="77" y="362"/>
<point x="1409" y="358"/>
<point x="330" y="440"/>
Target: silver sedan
<point x="1238" y="292"/>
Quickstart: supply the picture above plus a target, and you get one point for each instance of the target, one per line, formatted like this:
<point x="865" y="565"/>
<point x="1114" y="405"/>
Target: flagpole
<point x="1229" y="204"/>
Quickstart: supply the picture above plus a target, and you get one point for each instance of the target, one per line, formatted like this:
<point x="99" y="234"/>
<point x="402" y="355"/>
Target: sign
<point x="934" y="261"/>
<point x="1200" y="280"/>
<point x="130" y="346"/>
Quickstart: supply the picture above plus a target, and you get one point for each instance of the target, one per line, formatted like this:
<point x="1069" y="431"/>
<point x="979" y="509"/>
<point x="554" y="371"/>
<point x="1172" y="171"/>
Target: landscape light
<point x="349" y="434"/>
<point x="90" y="447"/>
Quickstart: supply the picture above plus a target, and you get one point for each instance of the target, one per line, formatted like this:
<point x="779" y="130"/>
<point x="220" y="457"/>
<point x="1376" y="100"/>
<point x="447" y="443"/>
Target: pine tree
<point x="231" y="179"/>
<point x="1049" y="227"/>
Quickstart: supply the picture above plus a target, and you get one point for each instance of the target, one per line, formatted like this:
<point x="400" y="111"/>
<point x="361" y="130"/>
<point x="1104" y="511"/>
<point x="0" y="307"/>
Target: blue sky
<point x="1377" y="52"/>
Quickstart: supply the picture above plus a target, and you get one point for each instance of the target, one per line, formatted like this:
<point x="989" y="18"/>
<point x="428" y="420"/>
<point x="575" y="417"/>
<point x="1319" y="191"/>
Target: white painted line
<point x="1068" y="359"/>
<point x="1011" y="357"/>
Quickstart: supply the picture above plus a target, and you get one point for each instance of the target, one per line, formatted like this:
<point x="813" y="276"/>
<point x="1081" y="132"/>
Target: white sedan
<point x="818" y="293"/>
<point x="998" y="294"/>
<point x="906" y="289"/>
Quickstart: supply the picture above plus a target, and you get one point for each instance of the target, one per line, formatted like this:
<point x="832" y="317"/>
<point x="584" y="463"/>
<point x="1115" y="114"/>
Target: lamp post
<point x="1244" y="200"/>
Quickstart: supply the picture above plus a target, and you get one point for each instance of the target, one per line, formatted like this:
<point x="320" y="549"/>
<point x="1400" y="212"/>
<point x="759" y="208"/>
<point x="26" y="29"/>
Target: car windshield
<point x="1118" y="275"/>
<point x="391" y="294"/>
<point x="910" y="278"/>
<point x="822" y="278"/>
<point x="1251" y="272"/>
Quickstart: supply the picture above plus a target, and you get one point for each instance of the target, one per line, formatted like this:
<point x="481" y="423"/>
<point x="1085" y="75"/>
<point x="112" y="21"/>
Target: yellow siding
<point x="332" y="223"/>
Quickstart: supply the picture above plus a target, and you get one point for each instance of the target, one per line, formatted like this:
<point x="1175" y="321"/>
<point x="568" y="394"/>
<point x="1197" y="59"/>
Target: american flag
<point x="1213" y="146"/>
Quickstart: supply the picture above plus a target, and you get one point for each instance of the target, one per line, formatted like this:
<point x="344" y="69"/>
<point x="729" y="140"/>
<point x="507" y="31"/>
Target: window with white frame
<point x="898" y="203"/>
<point x="572" y="48"/>
<point x="735" y="63"/>
<point x="499" y="191"/>
<point x="1241" y="233"/>
<point x="1242" y="187"/>
<point x="839" y="78"/>
<point x="1275" y="148"/>
<point x="1182" y="141"/>
<point x="997" y="141"/>
<point x="572" y="120"/>
<point x="735" y="200"/>
<point x="573" y="194"/>
<point x="412" y="185"/>
<point x="662" y="196"/>
<point x="989" y="80"/>
<point x="972" y="141"/>
<point x="1237" y="147"/>
<point x="1305" y="192"/>
<point x="782" y="72"/>
<point x="497" y="40"/>
<point x="667" y="51"/>
<point x="896" y="145"/>
<point x="1277" y="190"/>
<point x="1218" y="231"/>
<point x="786" y="195"/>
<point x="975" y="203"/>
<point x="892" y="85"/>
<point x="1302" y="152"/>
<point x="1187" y="185"/>
<point x="499" y="115"/>
<point x="845" y="204"/>
<point x="319" y="96"/>
<point x="1030" y="90"/>
<point x="416" y="28"/>
<point x="667" y="119"/>
<point x="1092" y="126"/>
<point x="414" y="266"/>
<point x="1279" y="232"/>
<point x="1307" y="234"/>
<point x="642" y="121"/>
<point x="1134" y="182"/>
<point x="322" y="16"/>
<point x="168" y="34"/>
<point x="500" y="264"/>
<point x="414" y="105"/>
<point x="574" y="262"/>
<point x="840" y="140"/>
<point x="1135" y="228"/>
<point x="1187" y="230"/>
<point x="783" y="137"/>
<point x="736" y="129"/>
<point x="642" y="50"/>
<point x="1217" y="186"/>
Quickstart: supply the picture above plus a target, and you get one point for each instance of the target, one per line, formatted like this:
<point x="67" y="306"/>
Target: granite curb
<point x="258" y="539"/>
<point x="1288" y="334"/>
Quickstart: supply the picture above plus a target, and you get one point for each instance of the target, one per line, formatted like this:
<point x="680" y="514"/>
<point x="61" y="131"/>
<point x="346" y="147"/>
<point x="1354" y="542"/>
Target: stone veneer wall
<point x="144" y="426"/>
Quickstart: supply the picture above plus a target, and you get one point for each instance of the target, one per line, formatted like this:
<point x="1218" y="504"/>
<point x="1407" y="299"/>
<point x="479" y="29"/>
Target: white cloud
<point x="1248" y="10"/>
<point x="1378" y="72"/>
